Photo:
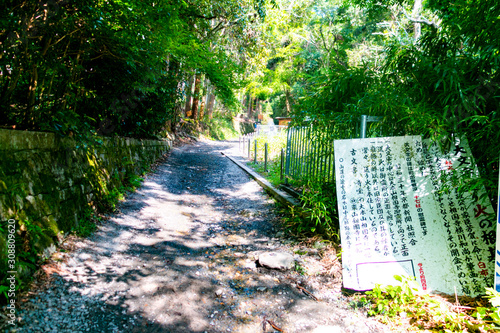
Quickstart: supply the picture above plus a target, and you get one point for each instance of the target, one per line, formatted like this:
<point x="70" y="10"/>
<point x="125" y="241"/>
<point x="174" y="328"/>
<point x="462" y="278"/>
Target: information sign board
<point x="400" y="214"/>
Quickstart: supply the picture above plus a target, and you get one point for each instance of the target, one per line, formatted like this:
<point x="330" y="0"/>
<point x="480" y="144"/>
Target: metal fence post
<point x="362" y="130"/>
<point x="265" y="157"/>
<point x="282" y="157"/>
<point x="248" y="148"/>
<point x="255" y="151"/>
<point x="288" y="148"/>
<point x="364" y="124"/>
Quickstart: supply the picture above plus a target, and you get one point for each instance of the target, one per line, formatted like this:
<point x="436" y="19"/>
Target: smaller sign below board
<point x="400" y="214"/>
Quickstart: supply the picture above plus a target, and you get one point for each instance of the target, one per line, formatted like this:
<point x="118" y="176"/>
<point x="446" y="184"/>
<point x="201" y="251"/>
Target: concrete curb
<point x="284" y="198"/>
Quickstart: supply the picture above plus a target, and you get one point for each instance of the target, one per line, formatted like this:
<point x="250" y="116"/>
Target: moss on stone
<point x="48" y="180"/>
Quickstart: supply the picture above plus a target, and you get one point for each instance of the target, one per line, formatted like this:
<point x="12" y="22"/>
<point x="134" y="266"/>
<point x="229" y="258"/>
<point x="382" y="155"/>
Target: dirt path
<point x="179" y="256"/>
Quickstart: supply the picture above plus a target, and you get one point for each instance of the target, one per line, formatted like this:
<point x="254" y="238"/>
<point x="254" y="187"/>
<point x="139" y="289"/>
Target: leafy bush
<point x="405" y="303"/>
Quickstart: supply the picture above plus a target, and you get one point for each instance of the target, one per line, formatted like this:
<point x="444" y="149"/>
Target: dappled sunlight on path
<point x="180" y="256"/>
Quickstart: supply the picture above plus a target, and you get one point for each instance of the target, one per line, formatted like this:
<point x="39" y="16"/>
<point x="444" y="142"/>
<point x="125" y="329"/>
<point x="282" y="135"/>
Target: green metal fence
<point x="309" y="151"/>
<point x="309" y="154"/>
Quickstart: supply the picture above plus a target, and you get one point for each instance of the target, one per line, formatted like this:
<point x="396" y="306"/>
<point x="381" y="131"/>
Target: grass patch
<point x="272" y="174"/>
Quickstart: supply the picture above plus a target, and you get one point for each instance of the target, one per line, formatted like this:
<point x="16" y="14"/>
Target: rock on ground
<point x="276" y="260"/>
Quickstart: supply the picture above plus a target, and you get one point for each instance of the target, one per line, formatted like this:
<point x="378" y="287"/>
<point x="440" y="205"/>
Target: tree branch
<point x="421" y="20"/>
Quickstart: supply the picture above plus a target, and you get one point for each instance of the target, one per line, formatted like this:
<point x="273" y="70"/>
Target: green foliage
<point x="392" y="300"/>
<point x="116" y="68"/>
<point x="404" y="301"/>
<point x="492" y="313"/>
<point x="28" y="234"/>
<point x="431" y="70"/>
<point x="133" y="182"/>
<point x="275" y="142"/>
<point x="273" y="173"/>
<point x="299" y="269"/>
<point x="220" y="128"/>
<point x="86" y="223"/>
<point x="108" y="200"/>
<point x="319" y="204"/>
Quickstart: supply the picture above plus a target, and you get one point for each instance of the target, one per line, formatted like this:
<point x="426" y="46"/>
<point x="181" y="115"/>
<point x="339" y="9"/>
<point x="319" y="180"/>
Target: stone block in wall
<point x="33" y="208"/>
<point x="47" y="183"/>
<point x="26" y="140"/>
<point x="43" y="206"/>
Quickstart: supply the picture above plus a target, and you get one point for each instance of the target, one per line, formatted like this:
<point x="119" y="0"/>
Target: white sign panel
<point x="394" y="221"/>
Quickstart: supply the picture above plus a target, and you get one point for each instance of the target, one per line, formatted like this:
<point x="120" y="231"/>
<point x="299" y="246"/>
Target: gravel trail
<point x="180" y="256"/>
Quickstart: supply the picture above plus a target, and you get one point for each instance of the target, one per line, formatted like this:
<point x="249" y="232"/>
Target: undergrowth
<point x="220" y="127"/>
<point x="317" y="215"/>
<point x="404" y="305"/>
<point x="319" y="204"/>
<point x="272" y="174"/>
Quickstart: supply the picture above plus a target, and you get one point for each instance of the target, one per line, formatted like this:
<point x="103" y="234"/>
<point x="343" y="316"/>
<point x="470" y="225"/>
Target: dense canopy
<point x="116" y="67"/>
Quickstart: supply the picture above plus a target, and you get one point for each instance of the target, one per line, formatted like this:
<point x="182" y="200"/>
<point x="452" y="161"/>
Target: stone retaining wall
<point x="48" y="182"/>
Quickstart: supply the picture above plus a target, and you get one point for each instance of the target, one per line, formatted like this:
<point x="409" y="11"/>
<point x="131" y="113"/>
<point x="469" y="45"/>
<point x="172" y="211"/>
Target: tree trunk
<point x="210" y="106"/>
<point x="208" y="92"/>
<point x="196" y="98"/>
<point x="10" y="87"/>
<point x="287" y="102"/>
<point x="249" y="110"/>
<point x="203" y="97"/>
<point x="189" y="96"/>
<point x="208" y="101"/>
<point x="30" y="110"/>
